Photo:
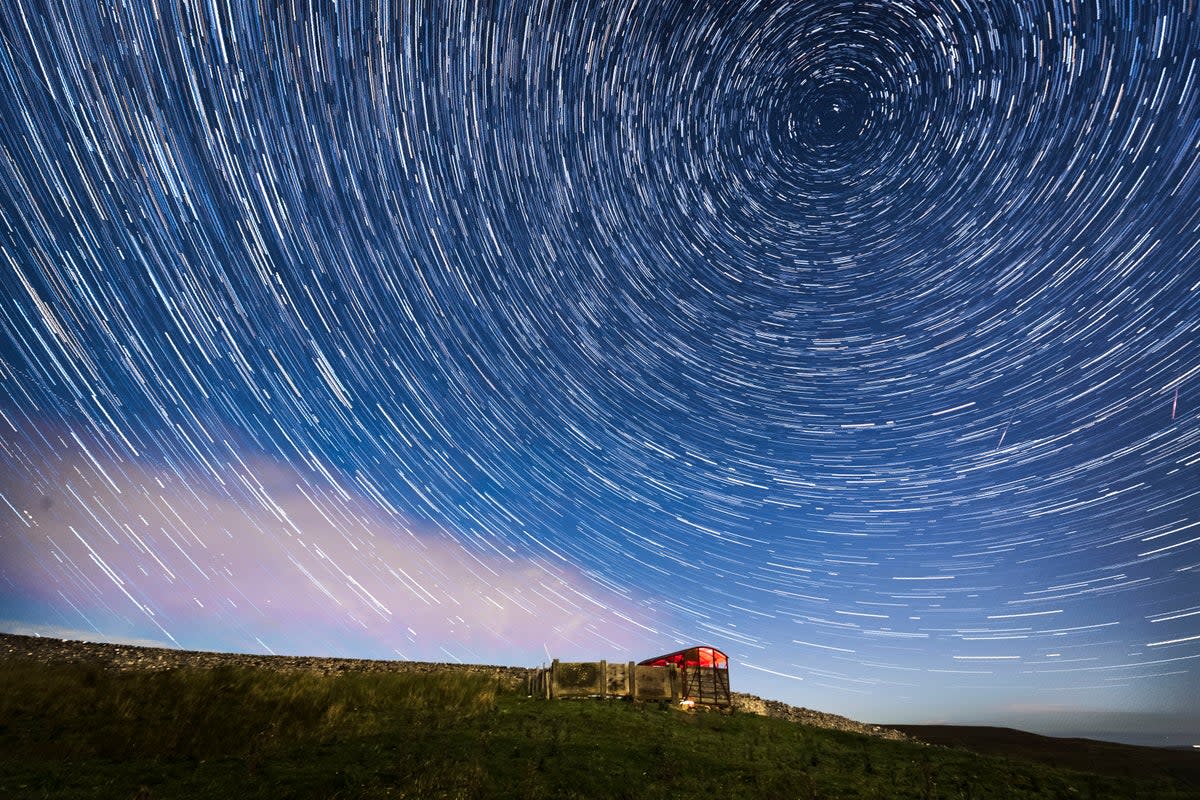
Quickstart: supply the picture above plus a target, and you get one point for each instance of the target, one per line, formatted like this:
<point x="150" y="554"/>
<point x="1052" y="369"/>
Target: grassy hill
<point x="79" y="730"/>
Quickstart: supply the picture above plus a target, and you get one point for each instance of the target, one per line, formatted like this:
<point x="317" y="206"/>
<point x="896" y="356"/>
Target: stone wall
<point x="128" y="657"/>
<point x="750" y="704"/>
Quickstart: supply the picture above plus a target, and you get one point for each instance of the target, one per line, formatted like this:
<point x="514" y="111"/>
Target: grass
<point x="71" y="711"/>
<point x="74" y="731"/>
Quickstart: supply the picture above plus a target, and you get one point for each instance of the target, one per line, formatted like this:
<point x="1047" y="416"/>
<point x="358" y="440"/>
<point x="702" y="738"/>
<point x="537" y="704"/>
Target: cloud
<point x="253" y="554"/>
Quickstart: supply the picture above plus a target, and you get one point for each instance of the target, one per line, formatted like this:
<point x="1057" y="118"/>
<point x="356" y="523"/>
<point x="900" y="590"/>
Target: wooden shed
<point x="703" y="671"/>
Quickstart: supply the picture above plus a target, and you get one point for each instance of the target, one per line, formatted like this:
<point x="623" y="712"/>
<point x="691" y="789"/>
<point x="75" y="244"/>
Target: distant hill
<point x="112" y="721"/>
<point x="1086" y="755"/>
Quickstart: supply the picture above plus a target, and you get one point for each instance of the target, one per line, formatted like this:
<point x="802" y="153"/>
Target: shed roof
<point x="695" y="656"/>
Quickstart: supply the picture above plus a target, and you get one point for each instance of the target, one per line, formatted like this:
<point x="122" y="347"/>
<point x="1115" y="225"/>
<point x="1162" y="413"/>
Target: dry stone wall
<point x="128" y="657"/>
<point x="751" y="704"/>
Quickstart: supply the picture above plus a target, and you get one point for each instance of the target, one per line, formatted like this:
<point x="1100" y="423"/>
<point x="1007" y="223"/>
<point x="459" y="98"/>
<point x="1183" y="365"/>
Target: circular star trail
<point x="858" y="338"/>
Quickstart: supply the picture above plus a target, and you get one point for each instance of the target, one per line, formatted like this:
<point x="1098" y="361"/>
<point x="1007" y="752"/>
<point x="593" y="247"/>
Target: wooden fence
<point x="602" y="679"/>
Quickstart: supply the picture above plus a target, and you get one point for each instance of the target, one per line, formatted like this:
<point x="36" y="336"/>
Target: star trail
<point x="859" y="338"/>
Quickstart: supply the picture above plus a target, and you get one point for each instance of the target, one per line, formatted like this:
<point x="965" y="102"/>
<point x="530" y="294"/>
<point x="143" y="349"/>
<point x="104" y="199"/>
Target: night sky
<point x="859" y="339"/>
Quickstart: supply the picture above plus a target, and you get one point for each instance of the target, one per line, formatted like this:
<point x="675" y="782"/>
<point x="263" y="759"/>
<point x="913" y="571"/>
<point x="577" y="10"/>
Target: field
<point x="84" y="731"/>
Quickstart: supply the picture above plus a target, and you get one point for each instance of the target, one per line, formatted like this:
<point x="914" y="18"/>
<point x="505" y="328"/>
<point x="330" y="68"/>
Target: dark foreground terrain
<point x="1086" y="755"/>
<point x="86" y="726"/>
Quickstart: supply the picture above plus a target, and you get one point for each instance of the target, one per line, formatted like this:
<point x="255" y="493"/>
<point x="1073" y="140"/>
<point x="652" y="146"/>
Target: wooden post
<point x="604" y="680"/>
<point x="553" y="679"/>
<point x="631" y="680"/>
<point x="675" y="684"/>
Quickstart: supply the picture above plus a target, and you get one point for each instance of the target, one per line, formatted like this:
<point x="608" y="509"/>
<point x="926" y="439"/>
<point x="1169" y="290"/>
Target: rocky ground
<point x="128" y="657"/>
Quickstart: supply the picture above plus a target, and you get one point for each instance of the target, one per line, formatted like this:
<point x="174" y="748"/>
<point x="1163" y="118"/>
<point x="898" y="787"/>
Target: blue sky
<point x="856" y="339"/>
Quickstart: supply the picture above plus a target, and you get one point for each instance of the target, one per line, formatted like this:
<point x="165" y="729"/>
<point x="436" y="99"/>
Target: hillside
<point x="107" y="721"/>
<point x="1087" y="755"/>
